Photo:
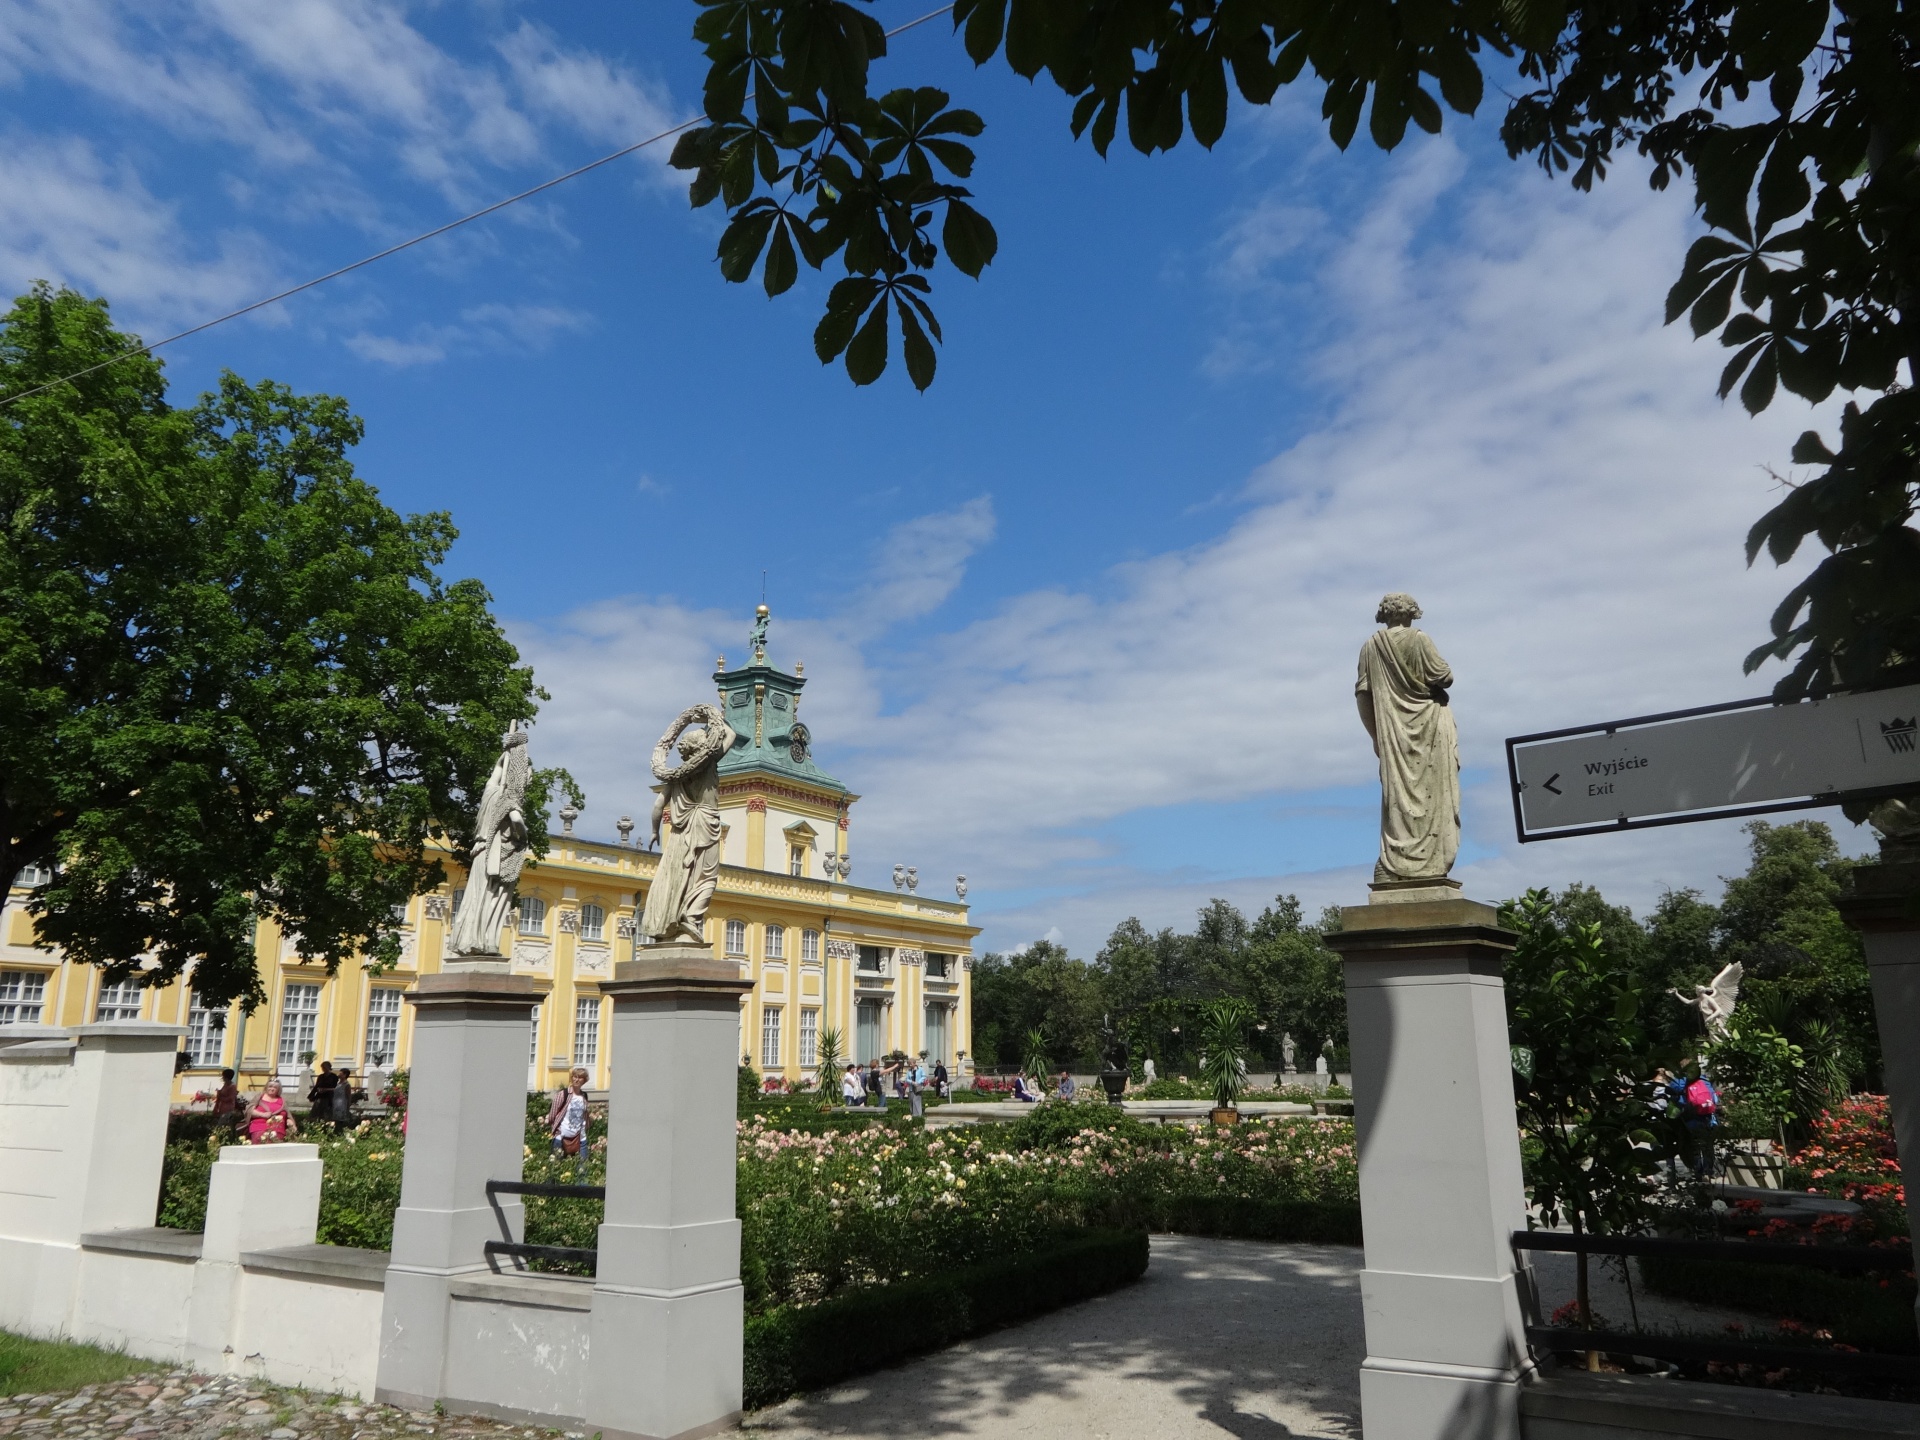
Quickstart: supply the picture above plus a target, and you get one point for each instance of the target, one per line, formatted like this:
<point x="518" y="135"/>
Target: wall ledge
<point x="1640" y="1406"/>
<point x="332" y="1262"/>
<point x="147" y="1240"/>
<point x="552" y="1292"/>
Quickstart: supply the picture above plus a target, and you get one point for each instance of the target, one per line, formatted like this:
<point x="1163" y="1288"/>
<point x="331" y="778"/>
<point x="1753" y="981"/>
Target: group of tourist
<point x="1033" y="1094"/>
<point x="267" y="1117"/>
<point x="908" y="1080"/>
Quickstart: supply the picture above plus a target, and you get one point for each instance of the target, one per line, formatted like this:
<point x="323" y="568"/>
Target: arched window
<point x="593" y="922"/>
<point x="533" y="916"/>
<point x="736" y="937"/>
<point x="776" y="942"/>
<point x="810" y="947"/>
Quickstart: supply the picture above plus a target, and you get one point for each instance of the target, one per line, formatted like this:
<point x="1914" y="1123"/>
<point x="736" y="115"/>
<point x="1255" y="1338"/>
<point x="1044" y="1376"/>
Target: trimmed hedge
<point x="1873" y="1312"/>
<point x="1241" y="1217"/>
<point x="803" y="1348"/>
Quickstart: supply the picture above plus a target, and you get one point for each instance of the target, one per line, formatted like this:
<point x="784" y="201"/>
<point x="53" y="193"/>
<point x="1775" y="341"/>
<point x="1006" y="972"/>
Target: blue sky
<point x="1080" y="621"/>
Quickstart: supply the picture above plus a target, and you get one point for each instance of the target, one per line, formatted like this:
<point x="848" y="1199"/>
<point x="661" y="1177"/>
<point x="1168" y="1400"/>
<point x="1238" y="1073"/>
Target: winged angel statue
<point x="1715" y="1001"/>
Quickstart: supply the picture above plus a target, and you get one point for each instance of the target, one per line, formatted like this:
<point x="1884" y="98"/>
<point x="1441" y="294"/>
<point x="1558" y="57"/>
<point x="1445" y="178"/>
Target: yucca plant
<point x="1223" y="1068"/>
<point x="1035" y="1060"/>
<point x="830" y="1062"/>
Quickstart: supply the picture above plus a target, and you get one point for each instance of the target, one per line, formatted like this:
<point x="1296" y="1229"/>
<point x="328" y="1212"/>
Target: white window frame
<point x="533" y="916"/>
<point x="776" y="942"/>
<point x="23" y="996"/>
<point x="736" y="933"/>
<point x="586" y="1032"/>
<point x="117" y="1002"/>
<point x="293" y="1032"/>
<point x="593" y="921"/>
<point x="809" y="947"/>
<point x="797" y="861"/>
<point x="206" y="1040"/>
<point x="770" y="1037"/>
<point x="533" y="1039"/>
<point x="382" y="1036"/>
<point x="809" y="1037"/>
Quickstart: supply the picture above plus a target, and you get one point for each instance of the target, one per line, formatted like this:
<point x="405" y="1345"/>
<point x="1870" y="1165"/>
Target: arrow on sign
<point x="1547" y="784"/>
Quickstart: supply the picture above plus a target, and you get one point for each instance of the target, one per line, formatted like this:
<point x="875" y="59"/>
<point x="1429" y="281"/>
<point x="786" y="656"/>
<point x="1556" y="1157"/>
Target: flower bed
<point x="853" y="1204"/>
<point x="1851" y="1157"/>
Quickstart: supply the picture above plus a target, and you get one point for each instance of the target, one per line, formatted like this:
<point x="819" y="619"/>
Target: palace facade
<point x="888" y="969"/>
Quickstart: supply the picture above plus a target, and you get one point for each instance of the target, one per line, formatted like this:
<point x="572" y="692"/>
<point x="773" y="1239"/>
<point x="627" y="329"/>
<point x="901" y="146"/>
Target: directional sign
<point x="1747" y="758"/>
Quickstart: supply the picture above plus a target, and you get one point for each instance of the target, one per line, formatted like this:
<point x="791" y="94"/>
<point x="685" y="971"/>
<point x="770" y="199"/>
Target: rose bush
<point x="826" y="1210"/>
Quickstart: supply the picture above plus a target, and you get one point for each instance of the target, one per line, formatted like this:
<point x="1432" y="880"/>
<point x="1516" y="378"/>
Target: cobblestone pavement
<point x="180" y="1405"/>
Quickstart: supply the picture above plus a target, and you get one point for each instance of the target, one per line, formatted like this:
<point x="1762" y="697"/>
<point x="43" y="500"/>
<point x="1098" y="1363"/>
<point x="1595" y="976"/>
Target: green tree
<point x="1807" y="183"/>
<point x="234" y="684"/>
<point x="1805" y="972"/>
<point x="1043" y="989"/>
<point x="1582" y="1077"/>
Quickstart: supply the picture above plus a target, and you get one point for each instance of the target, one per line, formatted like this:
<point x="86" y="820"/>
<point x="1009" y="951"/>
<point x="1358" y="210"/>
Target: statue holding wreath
<point x="686" y="822"/>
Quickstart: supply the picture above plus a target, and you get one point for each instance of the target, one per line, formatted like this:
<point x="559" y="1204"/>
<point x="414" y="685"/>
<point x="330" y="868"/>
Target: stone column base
<point x="1407" y="1400"/>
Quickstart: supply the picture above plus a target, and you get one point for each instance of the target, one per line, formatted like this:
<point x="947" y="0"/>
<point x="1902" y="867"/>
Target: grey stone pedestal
<point x="1440" y="1186"/>
<point x="466" y="1125"/>
<point x="668" y="1310"/>
<point x="1884" y="907"/>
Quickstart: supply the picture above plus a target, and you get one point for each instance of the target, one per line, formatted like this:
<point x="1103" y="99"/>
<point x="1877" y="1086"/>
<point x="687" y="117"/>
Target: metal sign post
<point x="1751" y="757"/>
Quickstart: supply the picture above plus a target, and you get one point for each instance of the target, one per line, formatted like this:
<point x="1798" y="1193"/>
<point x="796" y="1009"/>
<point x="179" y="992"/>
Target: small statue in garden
<point x="1402" y="695"/>
<point x="499" y="851"/>
<point x="1287" y="1053"/>
<point x="1715" y="1000"/>
<point x="688" y="806"/>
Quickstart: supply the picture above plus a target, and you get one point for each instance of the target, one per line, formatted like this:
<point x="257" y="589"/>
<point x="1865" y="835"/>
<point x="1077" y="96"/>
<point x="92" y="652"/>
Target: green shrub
<point x="186" y="1170"/>
<point x="747" y="1085"/>
<point x="802" y="1348"/>
<point x="1872" y="1312"/>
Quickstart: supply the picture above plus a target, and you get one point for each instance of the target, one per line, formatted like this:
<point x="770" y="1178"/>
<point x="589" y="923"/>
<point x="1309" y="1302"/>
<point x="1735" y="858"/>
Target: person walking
<point x="226" y="1100"/>
<point x="342" y="1115"/>
<point x="940" y="1080"/>
<point x="570" y="1130"/>
<point x="320" y="1097"/>
<point x="876" y="1093"/>
<point x="268" y="1119"/>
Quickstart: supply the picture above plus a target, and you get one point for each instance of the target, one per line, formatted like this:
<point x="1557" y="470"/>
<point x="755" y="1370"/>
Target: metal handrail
<point x="1758" y="1252"/>
<point x="545" y="1187"/>
<point x="1738" y="1352"/>
<point x="1858" y="1258"/>
<point x="543" y="1252"/>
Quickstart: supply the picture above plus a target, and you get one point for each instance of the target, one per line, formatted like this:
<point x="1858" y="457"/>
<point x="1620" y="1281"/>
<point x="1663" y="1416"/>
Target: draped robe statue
<point x="686" y="818"/>
<point x="1402" y="694"/>
<point x="499" y="852"/>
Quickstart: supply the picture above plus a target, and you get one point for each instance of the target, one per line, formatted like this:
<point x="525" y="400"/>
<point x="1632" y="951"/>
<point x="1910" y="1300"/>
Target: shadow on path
<point x="1222" y="1338"/>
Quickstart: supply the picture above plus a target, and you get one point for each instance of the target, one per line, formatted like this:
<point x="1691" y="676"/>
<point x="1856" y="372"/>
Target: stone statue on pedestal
<point x="1715" y="1000"/>
<point x="1287" y="1053"/>
<point x="1402" y="695"/>
<point x="686" y="812"/>
<point x="499" y="852"/>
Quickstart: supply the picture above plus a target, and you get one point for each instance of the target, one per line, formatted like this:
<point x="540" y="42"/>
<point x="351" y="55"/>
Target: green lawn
<point x="40" y="1366"/>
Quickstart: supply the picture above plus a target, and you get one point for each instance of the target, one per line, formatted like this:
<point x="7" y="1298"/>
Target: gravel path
<point x="180" y="1405"/>
<point x="1222" y="1338"/>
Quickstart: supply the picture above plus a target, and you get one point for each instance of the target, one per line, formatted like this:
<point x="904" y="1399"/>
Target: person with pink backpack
<point x="1698" y="1101"/>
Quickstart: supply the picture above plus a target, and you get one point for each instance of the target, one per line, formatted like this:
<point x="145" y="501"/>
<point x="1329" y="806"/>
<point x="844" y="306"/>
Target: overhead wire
<point x="147" y="349"/>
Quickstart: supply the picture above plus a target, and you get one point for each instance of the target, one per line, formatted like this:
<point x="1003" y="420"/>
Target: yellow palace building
<point x="888" y="969"/>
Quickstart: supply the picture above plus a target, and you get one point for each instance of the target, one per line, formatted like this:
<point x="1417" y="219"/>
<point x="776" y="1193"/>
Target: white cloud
<point x="920" y="563"/>
<point x="68" y="217"/>
<point x="491" y="327"/>
<point x="1517" y="440"/>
